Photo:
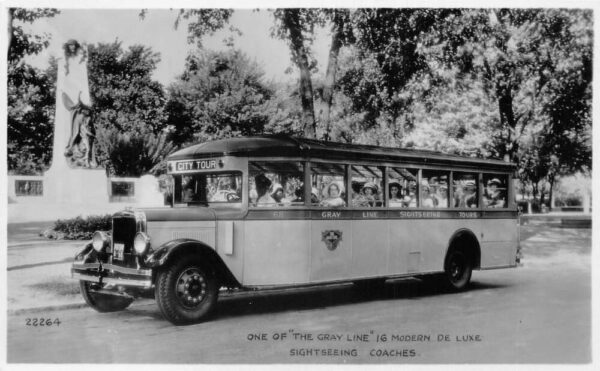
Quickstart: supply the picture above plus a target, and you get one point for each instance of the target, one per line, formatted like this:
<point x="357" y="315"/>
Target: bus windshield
<point x="204" y="188"/>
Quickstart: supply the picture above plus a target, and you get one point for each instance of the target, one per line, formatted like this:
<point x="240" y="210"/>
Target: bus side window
<point x="465" y="190"/>
<point x="367" y="184"/>
<point x="403" y="187"/>
<point x="328" y="185"/>
<point x="496" y="189"/>
<point x="276" y="184"/>
<point x="434" y="189"/>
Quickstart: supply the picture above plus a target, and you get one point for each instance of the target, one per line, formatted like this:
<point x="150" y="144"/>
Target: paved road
<point x="539" y="313"/>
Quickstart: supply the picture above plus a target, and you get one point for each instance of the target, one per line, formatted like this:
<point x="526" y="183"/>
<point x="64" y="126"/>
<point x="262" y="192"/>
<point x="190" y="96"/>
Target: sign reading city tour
<point x="194" y="165"/>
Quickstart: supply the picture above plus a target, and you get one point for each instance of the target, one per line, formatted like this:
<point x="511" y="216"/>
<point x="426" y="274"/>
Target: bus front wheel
<point x="186" y="291"/>
<point x="458" y="270"/>
<point x="102" y="302"/>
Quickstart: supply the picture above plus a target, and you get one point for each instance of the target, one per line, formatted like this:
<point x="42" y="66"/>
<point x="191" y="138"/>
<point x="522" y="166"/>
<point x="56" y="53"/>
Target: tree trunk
<point x="336" y="44"/>
<point x="507" y="120"/>
<point x="552" y="180"/>
<point x="10" y="29"/>
<point x="291" y="21"/>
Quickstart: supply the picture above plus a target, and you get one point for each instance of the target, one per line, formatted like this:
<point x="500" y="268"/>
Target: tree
<point x="535" y="64"/>
<point x="384" y="58"/>
<point x="134" y="154"/>
<point x="124" y="96"/>
<point x="30" y="96"/>
<point x="220" y="94"/>
<point x="30" y="119"/>
<point x="128" y="108"/>
<point x="21" y="43"/>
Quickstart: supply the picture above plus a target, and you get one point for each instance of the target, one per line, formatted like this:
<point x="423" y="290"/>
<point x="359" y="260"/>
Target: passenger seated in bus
<point x="188" y="193"/>
<point x="333" y="198"/>
<point x="468" y="195"/>
<point x="396" y="199"/>
<point x="493" y="197"/>
<point x="427" y="199"/>
<point x="262" y="189"/>
<point x="441" y="196"/>
<point x="367" y="196"/>
<point x="253" y="196"/>
<point x="410" y="200"/>
<point x="298" y="196"/>
<point x="314" y="196"/>
<point x="226" y="190"/>
<point x="277" y="193"/>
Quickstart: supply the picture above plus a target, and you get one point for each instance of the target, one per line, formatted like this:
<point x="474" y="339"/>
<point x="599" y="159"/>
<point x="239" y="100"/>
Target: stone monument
<point x="74" y="176"/>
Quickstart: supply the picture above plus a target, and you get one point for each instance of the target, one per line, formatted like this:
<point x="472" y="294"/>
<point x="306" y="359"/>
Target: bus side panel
<point x="419" y="246"/>
<point x="276" y="252"/>
<point x="499" y="243"/>
<point x="330" y="263"/>
<point x="164" y="231"/>
<point x="370" y="245"/>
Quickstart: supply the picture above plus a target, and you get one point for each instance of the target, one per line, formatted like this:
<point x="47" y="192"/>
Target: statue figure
<point x="72" y="86"/>
<point x="80" y="150"/>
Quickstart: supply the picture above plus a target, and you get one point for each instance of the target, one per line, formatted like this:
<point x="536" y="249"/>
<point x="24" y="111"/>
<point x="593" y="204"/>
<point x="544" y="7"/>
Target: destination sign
<point x="193" y="165"/>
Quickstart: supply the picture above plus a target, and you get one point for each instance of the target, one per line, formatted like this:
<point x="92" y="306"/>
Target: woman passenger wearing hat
<point x="262" y="189"/>
<point x="493" y="196"/>
<point x="367" y="196"/>
<point x="470" y="194"/>
<point x="332" y="196"/>
<point x="427" y="199"/>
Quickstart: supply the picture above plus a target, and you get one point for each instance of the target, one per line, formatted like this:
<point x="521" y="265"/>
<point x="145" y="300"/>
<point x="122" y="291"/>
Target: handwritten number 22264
<point x="38" y="322"/>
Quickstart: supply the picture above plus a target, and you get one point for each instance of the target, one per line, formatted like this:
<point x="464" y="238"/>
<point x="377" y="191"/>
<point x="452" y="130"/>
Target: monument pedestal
<point x="76" y="186"/>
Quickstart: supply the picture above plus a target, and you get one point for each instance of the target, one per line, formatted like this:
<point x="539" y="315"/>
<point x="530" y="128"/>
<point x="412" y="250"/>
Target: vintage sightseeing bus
<point x="276" y="212"/>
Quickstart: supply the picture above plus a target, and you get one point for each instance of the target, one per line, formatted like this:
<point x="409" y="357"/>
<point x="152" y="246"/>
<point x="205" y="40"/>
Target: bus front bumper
<point x="111" y="274"/>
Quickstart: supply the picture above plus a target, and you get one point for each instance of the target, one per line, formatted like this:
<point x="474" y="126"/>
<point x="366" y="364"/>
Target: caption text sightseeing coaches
<point x="275" y="212"/>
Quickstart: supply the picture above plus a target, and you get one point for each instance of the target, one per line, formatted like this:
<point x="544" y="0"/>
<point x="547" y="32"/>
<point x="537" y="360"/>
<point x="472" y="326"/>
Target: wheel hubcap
<point x="457" y="268"/>
<point x="191" y="287"/>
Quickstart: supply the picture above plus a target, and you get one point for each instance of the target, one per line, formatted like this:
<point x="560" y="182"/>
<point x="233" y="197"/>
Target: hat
<point x="470" y="184"/>
<point x="371" y="185"/>
<point x="394" y="183"/>
<point x="495" y="181"/>
<point x="262" y="181"/>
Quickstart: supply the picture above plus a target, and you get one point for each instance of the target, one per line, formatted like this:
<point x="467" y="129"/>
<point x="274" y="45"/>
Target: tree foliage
<point x="129" y="108"/>
<point x="21" y="43"/>
<point x="30" y="94"/>
<point x="219" y="95"/>
<point x="124" y="96"/>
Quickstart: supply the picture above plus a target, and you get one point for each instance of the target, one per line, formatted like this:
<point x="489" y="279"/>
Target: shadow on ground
<point x="321" y="298"/>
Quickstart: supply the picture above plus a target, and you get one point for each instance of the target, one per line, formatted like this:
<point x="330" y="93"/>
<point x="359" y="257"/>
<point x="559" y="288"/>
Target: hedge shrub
<point x="79" y="228"/>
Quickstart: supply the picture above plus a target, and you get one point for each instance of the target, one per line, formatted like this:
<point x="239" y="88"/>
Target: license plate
<point x="118" y="253"/>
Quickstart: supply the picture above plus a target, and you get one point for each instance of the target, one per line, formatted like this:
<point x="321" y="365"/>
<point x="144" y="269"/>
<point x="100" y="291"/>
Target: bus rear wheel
<point x="186" y="291"/>
<point x="458" y="270"/>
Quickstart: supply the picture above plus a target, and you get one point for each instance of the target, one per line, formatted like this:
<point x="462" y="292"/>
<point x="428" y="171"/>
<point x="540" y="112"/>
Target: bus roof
<point x="285" y="146"/>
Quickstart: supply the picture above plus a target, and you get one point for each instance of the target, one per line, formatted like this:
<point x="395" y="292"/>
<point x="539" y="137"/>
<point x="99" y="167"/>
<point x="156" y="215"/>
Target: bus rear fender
<point x="465" y="240"/>
<point x="169" y="252"/>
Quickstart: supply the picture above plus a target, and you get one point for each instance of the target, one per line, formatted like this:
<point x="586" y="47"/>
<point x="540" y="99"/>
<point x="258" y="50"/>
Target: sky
<point x="158" y="32"/>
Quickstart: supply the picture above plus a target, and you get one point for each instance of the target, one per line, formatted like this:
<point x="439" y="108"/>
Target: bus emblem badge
<point x="331" y="239"/>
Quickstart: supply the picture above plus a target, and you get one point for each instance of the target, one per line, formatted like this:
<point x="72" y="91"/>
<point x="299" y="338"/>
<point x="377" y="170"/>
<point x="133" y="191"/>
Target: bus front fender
<point x="172" y="250"/>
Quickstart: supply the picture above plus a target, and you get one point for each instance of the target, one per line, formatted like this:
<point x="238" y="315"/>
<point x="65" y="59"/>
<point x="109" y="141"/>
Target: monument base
<point x="76" y="186"/>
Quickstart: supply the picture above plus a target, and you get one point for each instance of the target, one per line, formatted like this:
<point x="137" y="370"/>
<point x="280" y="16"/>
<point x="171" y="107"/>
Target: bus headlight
<point x="141" y="243"/>
<point x="100" y="241"/>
